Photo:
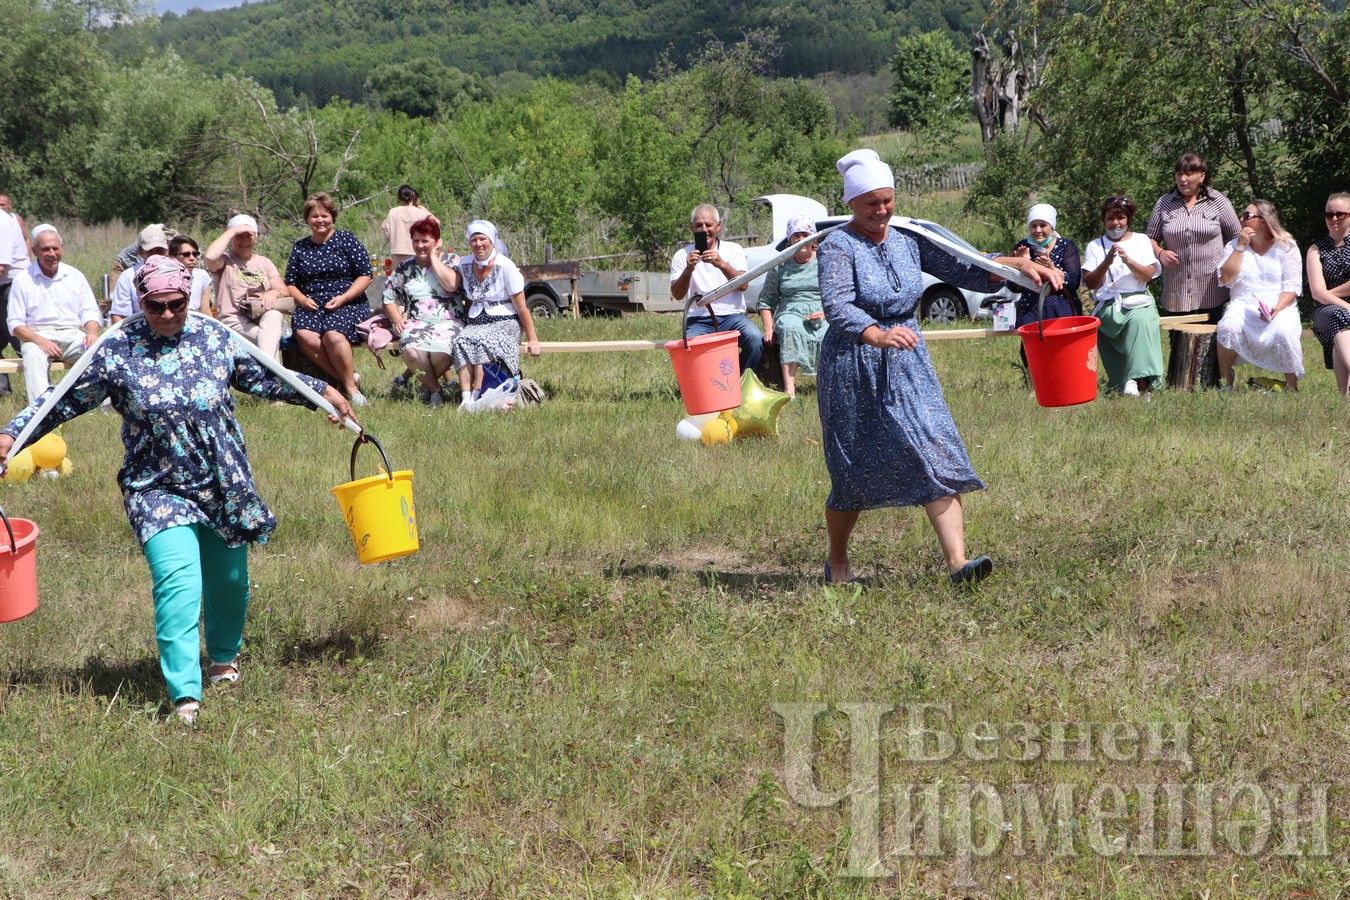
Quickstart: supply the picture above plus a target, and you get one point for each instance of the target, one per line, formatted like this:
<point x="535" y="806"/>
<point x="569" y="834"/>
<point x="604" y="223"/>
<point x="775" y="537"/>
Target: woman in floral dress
<point x="423" y="303"/>
<point x="888" y="436"/>
<point x="186" y="482"/>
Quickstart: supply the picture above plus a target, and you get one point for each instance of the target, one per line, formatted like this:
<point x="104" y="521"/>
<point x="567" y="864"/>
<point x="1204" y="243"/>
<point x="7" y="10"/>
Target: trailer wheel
<point x="541" y="305"/>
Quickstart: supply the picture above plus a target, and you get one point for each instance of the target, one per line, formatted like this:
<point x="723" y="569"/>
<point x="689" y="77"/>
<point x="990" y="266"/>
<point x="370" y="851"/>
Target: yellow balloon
<point x="48" y="452"/>
<point x="727" y="417"/>
<point x="20" y="467"/>
<point x="66" y="467"/>
<point x="757" y="416"/>
<point x="716" y="433"/>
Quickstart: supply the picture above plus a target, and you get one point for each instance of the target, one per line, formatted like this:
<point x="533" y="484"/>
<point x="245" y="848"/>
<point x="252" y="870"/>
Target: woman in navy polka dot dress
<point x="328" y="274"/>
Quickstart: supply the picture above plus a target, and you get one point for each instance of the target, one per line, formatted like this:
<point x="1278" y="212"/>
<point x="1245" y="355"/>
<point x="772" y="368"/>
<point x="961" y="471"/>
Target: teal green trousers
<point x="196" y="576"/>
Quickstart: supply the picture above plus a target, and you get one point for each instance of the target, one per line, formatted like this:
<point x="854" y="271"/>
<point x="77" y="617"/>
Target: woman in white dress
<point x="1261" y="268"/>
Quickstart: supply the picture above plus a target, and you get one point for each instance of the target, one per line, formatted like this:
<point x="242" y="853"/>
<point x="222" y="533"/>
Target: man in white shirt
<point x="154" y="241"/>
<point x="706" y="270"/>
<point x="13" y="259"/>
<point x="52" y="311"/>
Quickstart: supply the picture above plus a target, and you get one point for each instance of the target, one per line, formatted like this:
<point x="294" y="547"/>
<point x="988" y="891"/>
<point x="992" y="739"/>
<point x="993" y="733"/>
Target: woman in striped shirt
<point x="1190" y="227"/>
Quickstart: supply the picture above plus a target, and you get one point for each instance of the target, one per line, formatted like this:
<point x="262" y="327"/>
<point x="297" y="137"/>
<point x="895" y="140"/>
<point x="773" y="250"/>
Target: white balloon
<point x="687" y="430"/>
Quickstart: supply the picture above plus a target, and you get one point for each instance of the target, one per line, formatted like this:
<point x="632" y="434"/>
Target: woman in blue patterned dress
<point x="889" y="438"/>
<point x="425" y="308"/>
<point x="186" y="481"/>
<point x="327" y="275"/>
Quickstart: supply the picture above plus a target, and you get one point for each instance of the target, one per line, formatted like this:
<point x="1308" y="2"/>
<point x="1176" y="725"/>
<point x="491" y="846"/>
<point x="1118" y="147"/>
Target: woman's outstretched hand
<point x="339" y="402"/>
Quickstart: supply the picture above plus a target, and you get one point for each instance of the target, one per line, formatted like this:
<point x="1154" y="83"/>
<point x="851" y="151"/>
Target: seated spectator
<point x="1329" y="285"/>
<point x="1260" y="267"/>
<point x="497" y="311"/>
<point x="251" y="297"/>
<point x="703" y="271"/>
<point x="1049" y="249"/>
<point x="327" y="276"/>
<point x="422" y="300"/>
<point x="789" y="306"/>
<point x="13" y="259"/>
<point x="7" y="205"/>
<point x="1117" y="268"/>
<point x="129" y="256"/>
<point x="153" y="241"/>
<point x="52" y="311"/>
<point x="185" y="250"/>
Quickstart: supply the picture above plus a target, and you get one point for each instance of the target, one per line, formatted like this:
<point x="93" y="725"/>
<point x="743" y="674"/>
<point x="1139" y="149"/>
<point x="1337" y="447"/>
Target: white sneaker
<point x="358" y="398"/>
<point x="1131" y="388"/>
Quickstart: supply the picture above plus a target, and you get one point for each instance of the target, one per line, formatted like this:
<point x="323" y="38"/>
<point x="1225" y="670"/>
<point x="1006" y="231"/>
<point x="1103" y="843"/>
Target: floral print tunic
<point x="185" y="457"/>
<point x="889" y="438"/>
<point x="432" y="316"/>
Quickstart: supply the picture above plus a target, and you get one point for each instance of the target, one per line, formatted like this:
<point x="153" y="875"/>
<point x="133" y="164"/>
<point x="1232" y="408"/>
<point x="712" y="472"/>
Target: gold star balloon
<point x="757" y="416"/>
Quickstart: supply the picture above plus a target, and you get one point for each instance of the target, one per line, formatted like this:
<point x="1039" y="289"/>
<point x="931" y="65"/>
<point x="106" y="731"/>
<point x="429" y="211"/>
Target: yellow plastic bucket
<point x="379" y="510"/>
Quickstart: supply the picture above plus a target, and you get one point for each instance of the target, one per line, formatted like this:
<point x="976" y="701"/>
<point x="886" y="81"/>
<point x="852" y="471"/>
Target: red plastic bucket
<point x="1062" y="357"/>
<point x="708" y="369"/>
<point x="18" y="568"/>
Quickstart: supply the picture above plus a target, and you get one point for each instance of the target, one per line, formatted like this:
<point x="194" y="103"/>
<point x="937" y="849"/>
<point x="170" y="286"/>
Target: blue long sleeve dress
<point x="889" y="437"/>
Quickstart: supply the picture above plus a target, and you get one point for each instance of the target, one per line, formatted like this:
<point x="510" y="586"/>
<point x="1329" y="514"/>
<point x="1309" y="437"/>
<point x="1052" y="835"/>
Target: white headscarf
<point x="33" y="236"/>
<point x="1042" y="212"/>
<point x="483" y="226"/>
<point x="800" y="225"/>
<point x="247" y="222"/>
<point x="864" y="171"/>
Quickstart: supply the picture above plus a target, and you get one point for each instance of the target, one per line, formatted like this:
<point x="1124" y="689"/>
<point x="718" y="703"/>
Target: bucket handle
<point x="366" y="437"/>
<point x="1040" y="309"/>
<point x="690" y="301"/>
<point x="13" y="545"/>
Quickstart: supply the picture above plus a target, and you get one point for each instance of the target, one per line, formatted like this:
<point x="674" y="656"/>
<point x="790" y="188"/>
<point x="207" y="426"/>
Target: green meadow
<point x="571" y="689"/>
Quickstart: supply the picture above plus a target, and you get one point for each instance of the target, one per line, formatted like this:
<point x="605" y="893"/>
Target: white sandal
<point x="186" y="711"/>
<point x="231" y="674"/>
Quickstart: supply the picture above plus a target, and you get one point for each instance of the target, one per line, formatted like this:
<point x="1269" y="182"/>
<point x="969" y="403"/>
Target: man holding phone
<point x="706" y="264"/>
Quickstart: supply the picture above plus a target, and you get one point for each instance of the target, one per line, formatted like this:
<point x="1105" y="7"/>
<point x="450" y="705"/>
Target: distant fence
<point x="952" y="178"/>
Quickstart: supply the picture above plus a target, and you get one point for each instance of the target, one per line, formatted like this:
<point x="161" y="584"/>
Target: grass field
<point x="571" y="690"/>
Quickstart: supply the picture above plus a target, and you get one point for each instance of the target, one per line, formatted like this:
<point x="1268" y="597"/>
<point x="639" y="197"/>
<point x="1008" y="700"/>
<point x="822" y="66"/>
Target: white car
<point x="940" y="302"/>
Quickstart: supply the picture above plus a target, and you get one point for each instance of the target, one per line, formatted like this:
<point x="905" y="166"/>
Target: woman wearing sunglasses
<point x="185" y="250"/>
<point x="186" y="481"/>
<point x="1329" y="285"/>
<point x="1260" y="268"/>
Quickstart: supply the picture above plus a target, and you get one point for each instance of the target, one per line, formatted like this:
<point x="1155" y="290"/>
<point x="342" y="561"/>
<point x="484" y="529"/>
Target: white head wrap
<point x="800" y="225"/>
<point x="44" y="227"/>
<point x="483" y="226"/>
<point x="864" y="171"/>
<point x="246" y="222"/>
<point x="1042" y="212"/>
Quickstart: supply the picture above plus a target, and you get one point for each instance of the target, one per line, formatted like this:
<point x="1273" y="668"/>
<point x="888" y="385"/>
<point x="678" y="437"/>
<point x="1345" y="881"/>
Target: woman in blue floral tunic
<point x="889" y="438"/>
<point x="425" y="308"/>
<point x="186" y="481"/>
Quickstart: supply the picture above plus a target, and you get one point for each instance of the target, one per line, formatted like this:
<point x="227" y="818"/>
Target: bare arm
<point x="214" y="255"/>
<point x="526" y="323"/>
<point x="1317" y="285"/>
<point x="448" y="277"/>
<point x="679" y="288"/>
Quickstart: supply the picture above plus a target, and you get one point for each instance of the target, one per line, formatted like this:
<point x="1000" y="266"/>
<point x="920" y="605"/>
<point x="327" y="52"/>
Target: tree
<point x="930" y="77"/>
<point x="54" y="84"/>
<point x="646" y="180"/>
<point x="422" y="86"/>
<point x="1124" y="92"/>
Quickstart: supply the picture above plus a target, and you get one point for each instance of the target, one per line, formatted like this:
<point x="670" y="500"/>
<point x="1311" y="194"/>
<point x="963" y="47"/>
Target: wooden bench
<point x="15" y="366"/>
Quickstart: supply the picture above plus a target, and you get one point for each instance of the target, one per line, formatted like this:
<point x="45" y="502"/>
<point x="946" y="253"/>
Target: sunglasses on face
<point x="192" y="253"/>
<point x="1250" y="215"/>
<point x="1336" y="216"/>
<point x="160" y="307"/>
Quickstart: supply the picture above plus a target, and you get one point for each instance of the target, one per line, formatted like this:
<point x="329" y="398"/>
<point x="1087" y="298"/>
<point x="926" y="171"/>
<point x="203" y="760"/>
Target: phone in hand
<point x="701" y="241"/>
<point x="1266" y="312"/>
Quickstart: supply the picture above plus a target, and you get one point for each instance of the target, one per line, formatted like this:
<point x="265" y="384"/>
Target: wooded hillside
<point x="321" y="49"/>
